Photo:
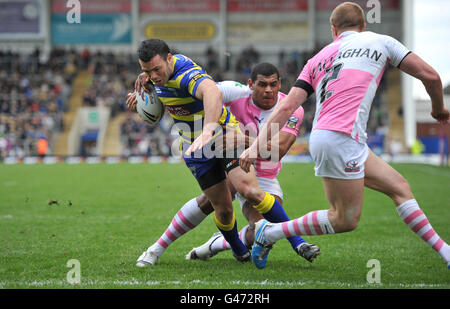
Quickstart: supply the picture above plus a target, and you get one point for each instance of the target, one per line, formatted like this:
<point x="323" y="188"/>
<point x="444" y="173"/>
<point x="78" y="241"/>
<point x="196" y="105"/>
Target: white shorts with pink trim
<point x="337" y="155"/>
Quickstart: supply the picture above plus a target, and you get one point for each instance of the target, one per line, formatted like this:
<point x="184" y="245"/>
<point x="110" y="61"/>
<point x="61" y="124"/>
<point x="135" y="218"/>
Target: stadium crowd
<point x="34" y="95"/>
<point x="112" y="76"/>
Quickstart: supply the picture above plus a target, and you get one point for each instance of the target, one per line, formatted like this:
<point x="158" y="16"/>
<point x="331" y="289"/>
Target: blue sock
<point x="231" y="235"/>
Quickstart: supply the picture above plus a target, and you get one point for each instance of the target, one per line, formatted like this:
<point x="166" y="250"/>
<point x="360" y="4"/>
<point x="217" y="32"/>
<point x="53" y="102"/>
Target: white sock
<point x="187" y="218"/>
<point x="416" y="220"/>
<point x="313" y="223"/>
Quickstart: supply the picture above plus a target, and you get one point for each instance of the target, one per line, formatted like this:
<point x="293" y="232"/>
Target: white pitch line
<point x="218" y="284"/>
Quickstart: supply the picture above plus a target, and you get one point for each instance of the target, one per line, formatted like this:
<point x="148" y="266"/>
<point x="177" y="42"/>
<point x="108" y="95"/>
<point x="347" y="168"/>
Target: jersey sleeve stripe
<point x="404" y="59"/>
<point x="194" y="84"/>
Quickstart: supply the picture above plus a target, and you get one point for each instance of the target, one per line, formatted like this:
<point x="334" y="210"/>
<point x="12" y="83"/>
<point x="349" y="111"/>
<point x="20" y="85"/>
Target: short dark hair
<point x="151" y="47"/>
<point x="265" y="69"/>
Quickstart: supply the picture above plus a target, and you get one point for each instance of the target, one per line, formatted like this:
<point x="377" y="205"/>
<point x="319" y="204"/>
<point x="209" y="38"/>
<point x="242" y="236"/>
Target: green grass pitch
<point x="106" y="215"/>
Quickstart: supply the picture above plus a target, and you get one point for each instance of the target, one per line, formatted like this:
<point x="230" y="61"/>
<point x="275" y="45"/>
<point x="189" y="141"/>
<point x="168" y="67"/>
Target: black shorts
<point x="218" y="172"/>
<point x="230" y="163"/>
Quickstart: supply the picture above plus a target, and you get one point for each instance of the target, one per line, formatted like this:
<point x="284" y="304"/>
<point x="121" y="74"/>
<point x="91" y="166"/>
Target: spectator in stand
<point x="32" y="96"/>
<point x="42" y="147"/>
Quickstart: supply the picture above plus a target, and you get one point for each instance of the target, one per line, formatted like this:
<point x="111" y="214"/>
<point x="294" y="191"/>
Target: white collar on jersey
<point x="347" y="33"/>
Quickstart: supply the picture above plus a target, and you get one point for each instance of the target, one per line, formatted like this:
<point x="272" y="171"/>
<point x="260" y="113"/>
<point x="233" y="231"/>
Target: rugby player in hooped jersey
<point x="345" y="76"/>
<point x="180" y="84"/>
<point x="190" y="95"/>
<point x="251" y="105"/>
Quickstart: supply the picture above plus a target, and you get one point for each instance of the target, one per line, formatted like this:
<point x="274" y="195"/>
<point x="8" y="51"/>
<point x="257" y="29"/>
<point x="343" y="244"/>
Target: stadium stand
<point x="33" y="99"/>
<point x="40" y="100"/>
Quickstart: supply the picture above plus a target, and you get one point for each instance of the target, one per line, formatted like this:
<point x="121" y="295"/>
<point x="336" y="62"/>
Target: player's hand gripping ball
<point x="149" y="106"/>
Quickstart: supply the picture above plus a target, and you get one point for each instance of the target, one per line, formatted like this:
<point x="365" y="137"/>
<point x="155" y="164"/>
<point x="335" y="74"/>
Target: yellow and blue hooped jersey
<point x="178" y="97"/>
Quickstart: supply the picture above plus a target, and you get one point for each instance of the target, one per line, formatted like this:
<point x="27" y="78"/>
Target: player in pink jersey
<point x="252" y="107"/>
<point x="344" y="76"/>
<point x="264" y="199"/>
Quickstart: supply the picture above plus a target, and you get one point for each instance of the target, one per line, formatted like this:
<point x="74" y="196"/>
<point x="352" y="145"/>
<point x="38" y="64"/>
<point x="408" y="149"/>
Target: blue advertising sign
<point x="93" y="29"/>
<point x="21" y="19"/>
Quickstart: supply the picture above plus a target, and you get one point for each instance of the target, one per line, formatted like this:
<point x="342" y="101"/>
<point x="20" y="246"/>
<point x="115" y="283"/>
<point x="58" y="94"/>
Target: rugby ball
<point x="149" y="107"/>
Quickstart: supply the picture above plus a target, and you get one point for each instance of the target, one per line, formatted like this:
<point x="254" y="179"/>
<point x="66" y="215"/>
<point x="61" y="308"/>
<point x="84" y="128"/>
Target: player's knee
<point x="345" y="226"/>
<point x="251" y="214"/>
<point x="204" y="204"/>
<point x="351" y="226"/>
<point x="403" y="191"/>
<point x="405" y="188"/>
<point x="251" y="193"/>
<point x="224" y="216"/>
<point x="353" y="217"/>
<point x="347" y="221"/>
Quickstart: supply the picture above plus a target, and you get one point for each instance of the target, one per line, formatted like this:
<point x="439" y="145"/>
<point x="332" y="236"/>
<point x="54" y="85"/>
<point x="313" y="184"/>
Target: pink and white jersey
<point x="345" y="76"/>
<point x="238" y="99"/>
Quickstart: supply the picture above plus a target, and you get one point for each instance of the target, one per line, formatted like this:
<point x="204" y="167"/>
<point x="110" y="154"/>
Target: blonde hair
<point x="347" y="15"/>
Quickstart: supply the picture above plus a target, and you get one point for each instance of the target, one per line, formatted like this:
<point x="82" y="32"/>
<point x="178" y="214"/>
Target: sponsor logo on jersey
<point x="178" y="110"/>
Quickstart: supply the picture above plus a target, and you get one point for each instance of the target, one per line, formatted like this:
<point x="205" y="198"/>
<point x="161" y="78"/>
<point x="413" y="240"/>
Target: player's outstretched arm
<point x="280" y="115"/>
<point x="418" y="68"/>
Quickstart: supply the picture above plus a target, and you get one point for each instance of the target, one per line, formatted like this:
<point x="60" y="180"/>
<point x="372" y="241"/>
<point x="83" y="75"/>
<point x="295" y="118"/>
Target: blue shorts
<point x="210" y="171"/>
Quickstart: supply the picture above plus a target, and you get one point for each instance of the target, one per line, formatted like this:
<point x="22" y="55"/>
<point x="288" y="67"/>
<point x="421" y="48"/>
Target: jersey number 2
<point x="332" y="74"/>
